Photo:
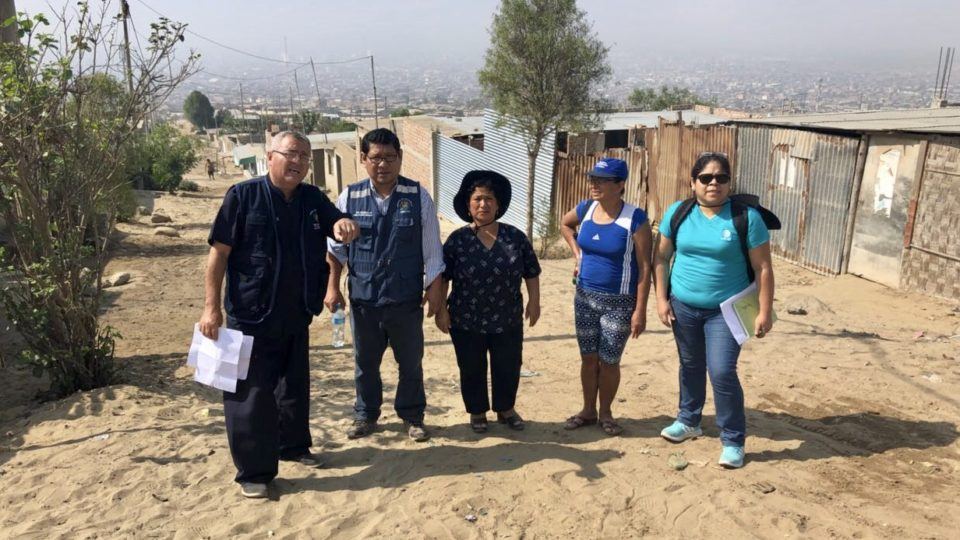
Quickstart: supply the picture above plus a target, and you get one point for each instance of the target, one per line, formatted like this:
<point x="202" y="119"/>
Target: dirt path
<point x="852" y="419"/>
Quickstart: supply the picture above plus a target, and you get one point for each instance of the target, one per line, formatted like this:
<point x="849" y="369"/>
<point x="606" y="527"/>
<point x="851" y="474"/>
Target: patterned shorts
<point x="603" y="323"/>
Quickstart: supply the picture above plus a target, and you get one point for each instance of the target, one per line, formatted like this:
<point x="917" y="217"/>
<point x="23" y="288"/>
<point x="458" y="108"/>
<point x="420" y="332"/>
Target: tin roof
<point x="317" y="139"/>
<point x="946" y="120"/>
<point x="627" y="120"/>
<point x="448" y="126"/>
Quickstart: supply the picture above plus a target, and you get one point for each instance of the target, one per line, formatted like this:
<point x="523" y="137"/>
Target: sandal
<point x="577" y="421"/>
<point x="611" y="427"/>
<point x="478" y="424"/>
<point x="513" y="422"/>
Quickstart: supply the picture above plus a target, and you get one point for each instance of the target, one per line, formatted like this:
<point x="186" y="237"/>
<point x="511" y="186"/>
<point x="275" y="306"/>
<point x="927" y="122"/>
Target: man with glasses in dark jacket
<point x="269" y="240"/>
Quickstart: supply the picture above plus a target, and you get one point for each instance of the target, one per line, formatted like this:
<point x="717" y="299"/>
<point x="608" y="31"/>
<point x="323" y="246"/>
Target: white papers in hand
<point x="220" y="363"/>
<point x="740" y="312"/>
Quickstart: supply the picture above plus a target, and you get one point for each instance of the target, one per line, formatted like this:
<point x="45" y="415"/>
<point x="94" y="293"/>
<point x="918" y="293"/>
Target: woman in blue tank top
<point x="709" y="267"/>
<point x="612" y="249"/>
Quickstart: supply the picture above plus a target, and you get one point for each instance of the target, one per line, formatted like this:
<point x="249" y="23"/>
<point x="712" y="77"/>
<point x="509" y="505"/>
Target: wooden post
<point x="915" y="195"/>
<point x="854" y="202"/>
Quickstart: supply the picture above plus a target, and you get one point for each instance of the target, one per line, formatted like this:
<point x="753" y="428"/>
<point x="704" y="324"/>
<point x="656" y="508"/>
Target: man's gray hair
<point x="279" y="137"/>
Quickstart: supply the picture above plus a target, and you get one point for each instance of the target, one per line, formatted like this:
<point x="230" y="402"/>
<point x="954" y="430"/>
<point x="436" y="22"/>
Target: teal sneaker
<point x="679" y="432"/>
<point x="731" y="457"/>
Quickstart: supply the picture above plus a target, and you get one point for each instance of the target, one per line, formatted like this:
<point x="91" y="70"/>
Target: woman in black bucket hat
<point x="486" y="261"/>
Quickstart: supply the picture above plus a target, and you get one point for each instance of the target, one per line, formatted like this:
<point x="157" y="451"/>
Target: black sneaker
<point x="416" y="431"/>
<point x="308" y="459"/>
<point x="360" y="428"/>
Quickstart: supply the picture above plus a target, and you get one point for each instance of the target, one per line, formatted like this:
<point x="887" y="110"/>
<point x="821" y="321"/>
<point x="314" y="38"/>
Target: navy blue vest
<point x="253" y="268"/>
<point x="386" y="261"/>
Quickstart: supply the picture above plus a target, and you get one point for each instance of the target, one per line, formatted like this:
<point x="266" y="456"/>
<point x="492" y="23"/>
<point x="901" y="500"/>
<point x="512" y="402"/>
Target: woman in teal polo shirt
<point x="709" y="268"/>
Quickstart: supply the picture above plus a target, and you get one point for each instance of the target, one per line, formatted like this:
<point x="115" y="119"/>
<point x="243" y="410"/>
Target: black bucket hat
<point x="501" y="189"/>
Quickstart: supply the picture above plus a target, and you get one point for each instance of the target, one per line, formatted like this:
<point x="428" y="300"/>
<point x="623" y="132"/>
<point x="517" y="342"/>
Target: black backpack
<point x="738" y="209"/>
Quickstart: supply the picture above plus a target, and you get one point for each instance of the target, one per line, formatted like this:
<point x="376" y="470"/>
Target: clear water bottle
<point x="339" y="322"/>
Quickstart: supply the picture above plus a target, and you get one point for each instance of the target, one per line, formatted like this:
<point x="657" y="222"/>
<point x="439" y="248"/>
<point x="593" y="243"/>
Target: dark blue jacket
<point x="386" y="261"/>
<point x="253" y="268"/>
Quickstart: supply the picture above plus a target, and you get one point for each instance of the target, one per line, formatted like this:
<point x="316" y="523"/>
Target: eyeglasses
<point x="302" y="157"/>
<point x="384" y="159"/>
<point x="713" y="154"/>
<point x="721" y="178"/>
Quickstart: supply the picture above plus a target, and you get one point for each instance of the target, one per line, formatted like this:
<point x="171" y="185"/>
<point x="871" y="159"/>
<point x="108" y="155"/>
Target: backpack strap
<point x="681" y="214"/>
<point x="738" y="211"/>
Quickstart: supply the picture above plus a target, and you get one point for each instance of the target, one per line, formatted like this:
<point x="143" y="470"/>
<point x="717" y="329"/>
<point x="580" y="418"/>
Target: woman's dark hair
<point x="379" y="136"/>
<point x="706" y="158"/>
<point x="487" y="183"/>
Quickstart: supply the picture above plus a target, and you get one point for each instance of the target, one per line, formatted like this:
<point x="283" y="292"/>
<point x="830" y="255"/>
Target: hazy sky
<point x="418" y="32"/>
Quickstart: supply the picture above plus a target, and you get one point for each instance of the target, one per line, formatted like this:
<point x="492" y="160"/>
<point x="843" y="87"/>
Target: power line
<point x="234" y="49"/>
<point x="274" y="76"/>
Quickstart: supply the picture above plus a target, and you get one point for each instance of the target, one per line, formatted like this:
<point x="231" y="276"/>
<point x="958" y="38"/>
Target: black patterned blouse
<point x="486" y="282"/>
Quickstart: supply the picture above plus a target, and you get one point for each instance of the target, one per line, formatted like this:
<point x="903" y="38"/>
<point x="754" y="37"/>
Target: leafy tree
<point x="160" y="158"/>
<point x="400" y="112"/>
<point x="336" y="125"/>
<point x="309" y="120"/>
<point x="665" y="98"/>
<point x="67" y="130"/>
<point x="222" y="117"/>
<point x="198" y="110"/>
<point x="542" y="69"/>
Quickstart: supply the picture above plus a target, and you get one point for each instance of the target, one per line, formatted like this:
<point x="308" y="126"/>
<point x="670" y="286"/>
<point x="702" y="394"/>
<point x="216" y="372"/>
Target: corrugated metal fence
<point x="673" y="148"/>
<point x="571" y="185"/>
<point x="806" y="179"/>
<point x="504" y="152"/>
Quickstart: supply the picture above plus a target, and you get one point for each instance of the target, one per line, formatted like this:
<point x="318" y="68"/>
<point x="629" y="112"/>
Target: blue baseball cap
<point x="610" y="168"/>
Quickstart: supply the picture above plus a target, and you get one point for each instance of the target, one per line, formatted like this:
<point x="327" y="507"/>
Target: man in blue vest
<point x="269" y="239"/>
<point x="396" y="257"/>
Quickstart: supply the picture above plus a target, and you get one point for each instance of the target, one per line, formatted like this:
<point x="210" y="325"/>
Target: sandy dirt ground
<point x="852" y="414"/>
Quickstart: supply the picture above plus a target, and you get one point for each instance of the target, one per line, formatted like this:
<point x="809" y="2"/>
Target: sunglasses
<point x="721" y="178"/>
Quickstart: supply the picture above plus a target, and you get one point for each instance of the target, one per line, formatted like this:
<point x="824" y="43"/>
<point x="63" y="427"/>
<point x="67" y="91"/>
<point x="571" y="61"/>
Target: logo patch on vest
<point x="404" y="205"/>
<point x="596" y="237"/>
<point x="316" y="220"/>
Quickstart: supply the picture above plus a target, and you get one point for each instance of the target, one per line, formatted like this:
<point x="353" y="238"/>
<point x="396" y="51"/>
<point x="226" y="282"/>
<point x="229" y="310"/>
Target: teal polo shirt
<point x="709" y="266"/>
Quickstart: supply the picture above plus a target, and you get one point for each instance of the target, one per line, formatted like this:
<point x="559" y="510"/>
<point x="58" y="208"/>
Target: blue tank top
<point x="608" y="261"/>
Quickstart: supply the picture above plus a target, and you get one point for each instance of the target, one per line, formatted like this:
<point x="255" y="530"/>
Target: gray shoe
<point x="416" y="431"/>
<point x="361" y="428"/>
<point x="253" y="490"/>
<point x="308" y="460"/>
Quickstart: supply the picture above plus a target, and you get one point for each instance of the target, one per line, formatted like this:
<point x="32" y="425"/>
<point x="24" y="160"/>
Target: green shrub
<point x="189" y="185"/>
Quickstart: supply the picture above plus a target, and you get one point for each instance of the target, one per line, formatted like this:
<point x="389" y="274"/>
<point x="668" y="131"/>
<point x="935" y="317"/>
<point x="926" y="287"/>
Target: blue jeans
<point x="705" y="344"/>
<point x="374" y="328"/>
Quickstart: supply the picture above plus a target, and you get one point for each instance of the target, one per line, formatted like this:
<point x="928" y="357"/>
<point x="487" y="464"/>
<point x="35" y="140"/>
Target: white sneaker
<point x="251" y="490"/>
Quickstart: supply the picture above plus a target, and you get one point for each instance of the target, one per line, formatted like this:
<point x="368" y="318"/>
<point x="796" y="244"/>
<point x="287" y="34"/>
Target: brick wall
<point x="417" y="144"/>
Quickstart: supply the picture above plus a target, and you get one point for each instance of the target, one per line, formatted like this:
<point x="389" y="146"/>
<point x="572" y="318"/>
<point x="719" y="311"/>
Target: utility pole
<point x="292" y="115"/>
<point x="8" y="34"/>
<point x="243" y="115"/>
<point x="125" y="13"/>
<point x="296" y="82"/>
<point x="316" y="84"/>
<point x="373" y="74"/>
<point x="816" y="106"/>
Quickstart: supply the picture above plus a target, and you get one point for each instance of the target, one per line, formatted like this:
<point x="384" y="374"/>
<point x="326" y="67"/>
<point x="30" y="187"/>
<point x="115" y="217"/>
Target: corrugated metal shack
<point x="505" y="152"/>
<point x="807" y="179"/>
<point x="658" y="146"/>
<point x="873" y="193"/>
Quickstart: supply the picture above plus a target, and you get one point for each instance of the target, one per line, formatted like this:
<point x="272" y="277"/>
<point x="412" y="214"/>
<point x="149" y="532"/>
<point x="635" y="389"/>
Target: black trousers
<point x="506" y="356"/>
<point x="267" y="417"/>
